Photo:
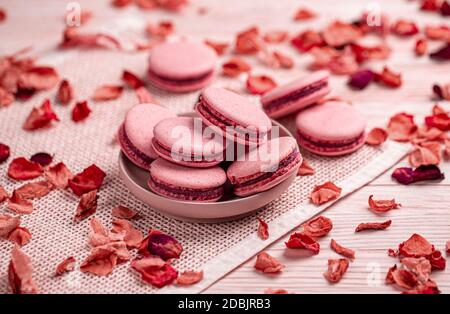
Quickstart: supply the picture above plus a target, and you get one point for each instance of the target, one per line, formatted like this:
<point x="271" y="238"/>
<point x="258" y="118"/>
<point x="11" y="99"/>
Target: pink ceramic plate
<point x="230" y="208"/>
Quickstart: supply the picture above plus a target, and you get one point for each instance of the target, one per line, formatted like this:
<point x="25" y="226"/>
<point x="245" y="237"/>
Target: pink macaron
<point x="136" y="133"/>
<point x="188" y="184"/>
<point x="331" y="129"/>
<point x="186" y="141"/>
<point x="289" y="98"/>
<point x="181" y="66"/>
<point x="265" y="167"/>
<point x="233" y="115"/>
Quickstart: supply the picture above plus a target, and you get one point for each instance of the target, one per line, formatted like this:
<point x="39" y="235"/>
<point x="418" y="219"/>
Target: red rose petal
<point x="4" y="152"/>
<point x="401" y="127"/>
<point x="44" y="159"/>
<point x="389" y="78"/>
<point x="40" y="117"/>
<point x="275" y="37"/>
<point x="65" y="266"/>
<point x="58" y="175"/>
<point x="439" y="32"/>
<point x="382" y="206"/>
<point x="336" y="269"/>
<point x="305" y="169"/>
<point x="20" y="236"/>
<point x="160" y="244"/>
<point x="20" y="273"/>
<point x="442" y="54"/>
<point x="6" y="98"/>
<point x="405" y="28"/>
<point x="248" y="41"/>
<point x="268" y="264"/>
<point x="154" y="271"/>
<point x="276" y="60"/>
<point x="360" y="79"/>
<point x="389" y="279"/>
<point x="23" y="169"/>
<point x="100" y="262"/>
<point x="38" y="78"/>
<point x="445" y="8"/>
<point x="161" y="30"/>
<point x="427" y="153"/>
<point x="235" y="66"/>
<point x="304" y="14"/>
<point x="437" y="260"/>
<point x="73" y="39"/>
<point x="317" y="227"/>
<point x="133" y="237"/>
<point x="324" y="193"/>
<point x="299" y="240"/>
<point x="19" y="205"/>
<point x="373" y="226"/>
<point x="80" y="111"/>
<point x="65" y="93"/>
<point x="421" y="267"/>
<point x="188" y="278"/>
<point x="219" y="47"/>
<point x="123" y="212"/>
<point x="90" y="179"/>
<point x="442" y="92"/>
<point x="338" y="34"/>
<point x="3" y="194"/>
<point x="366" y="53"/>
<point x="34" y="190"/>
<point x="2" y="15"/>
<point x="107" y="92"/>
<point x="132" y="80"/>
<point x="430" y="5"/>
<point x="376" y="137"/>
<point x="416" y="246"/>
<point x="263" y="229"/>
<point x="342" y="250"/>
<point x="439" y="120"/>
<point x="276" y="291"/>
<point x="447" y="247"/>
<point x="121" y="3"/>
<point x="260" y="84"/>
<point x="87" y="205"/>
<point x="7" y="224"/>
<point x="307" y="40"/>
<point x="404" y="278"/>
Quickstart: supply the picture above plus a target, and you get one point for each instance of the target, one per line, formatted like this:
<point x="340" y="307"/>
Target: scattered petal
<point x="338" y="34"/>
<point x="65" y="93"/>
<point x="304" y="14"/>
<point x="439" y="32"/>
<point x="447" y="247"/>
<point x="405" y="28"/>
<point x="405" y="175"/>
<point x="100" y="262"/>
<point x="260" y="84"/>
<point x="34" y="190"/>
<point x="404" y="278"/>
<point x="44" y="159"/>
<point x="65" y="266"/>
<point x="401" y="127"/>
<point x="6" y="98"/>
<point x="366" y="53"/>
<point x="307" y="40"/>
<point x="58" y="175"/>
<point x="80" y="111"/>
<point x="73" y="39"/>
<point x="389" y="78"/>
<point x="275" y="37"/>
<point x="188" y="278"/>
<point x="382" y="206"/>
<point x="426" y="153"/>
<point x="107" y="92"/>
<point x="132" y="80"/>
<point x="376" y="137"/>
<point x="339" y="249"/>
<point x="40" y="117"/>
<point x="248" y="41"/>
<point x="305" y="169"/>
<point x="336" y="269"/>
<point x="440" y="121"/>
<point x="299" y="240"/>
<point x="442" y="53"/>
<point x="3" y="194"/>
<point x="442" y="92"/>
<point x="416" y="246"/>
<point x="90" y="179"/>
<point x="276" y="291"/>
<point x="133" y="237"/>
<point x="154" y="271"/>
<point x="4" y="152"/>
<point x="317" y="227"/>
<point x="263" y="229"/>
<point x="121" y="3"/>
<point x="24" y="169"/>
<point x="268" y="264"/>
<point x="87" y="205"/>
<point x="38" y="78"/>
<point x="19" y="205"/>
<point x="421" y="47"/>
<point x="373" y="226"/>
<point x="160" y="30"/>
<point x="7" y="224"/>
<point x="160" y="244"/>
<point x="20" y="236"/>
<point x="20" y="273"/>
<point x="324" y="193"/>
<point x="437" y="260"/>
<point x="360" y="79"/>
<point x="123" y="212"/>
<point x="235" y="66"/>
<point x="219" y="47"/>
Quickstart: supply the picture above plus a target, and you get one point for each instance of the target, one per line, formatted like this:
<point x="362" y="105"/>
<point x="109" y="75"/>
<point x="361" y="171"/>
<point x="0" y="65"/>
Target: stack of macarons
<point x="187" y="156"/>
<point x="327" y="128"/>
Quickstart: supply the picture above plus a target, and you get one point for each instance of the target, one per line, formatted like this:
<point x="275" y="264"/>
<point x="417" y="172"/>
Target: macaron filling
<point x="181" y="81"/>
<point x="130" y="148"/>
<point x="249" y="134"/>
<point x="183" y="193"/>
<point x="330" y="146"/>
<point x="263" y="178"/>
<point x="280" y="102"/>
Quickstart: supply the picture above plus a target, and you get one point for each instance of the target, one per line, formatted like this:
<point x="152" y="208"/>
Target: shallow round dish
<point x="230" y="208"/>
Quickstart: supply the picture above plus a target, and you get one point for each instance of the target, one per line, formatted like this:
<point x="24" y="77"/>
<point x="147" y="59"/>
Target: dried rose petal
<point x="416" y="246"/>
<point x="268" y="264"/>
<point x="80" y="111"/>
<point x="2" y="15"/>
<point x="389" y="279"/>
<point x="344" y="63"/>
<point x="188" y="278"/>
<point x="442" y="53"/>
<point x="324" y="193"/>
<point x="6" y="98"/>
<point x="40" y="117"/>
<point x="275" y="37"/>
<point x="427" y="153"/>
<point x="235" y="66"/>
<point x="34" y="190"/>
<point x="90" y="179"/>
<point x="338" y="34"/>
<point x="3" y="194"/>
<point x="38" y="78"/>
<point x="401" y="127"/>
<point x="121" y="3"/>
<point x="342" y="250"/>
<point x="219" y="47"/>
<point x="437" y="260"/>
<point x="304" y="14"/>
<point x="20" y="236"/>
<point x="65" y="93"/>
<point x="263" y="229"/>
<point x="305" y="169"/>
<point x="447" y="247"/>
<point x="20" y="273"/>
<point x="299" y="240"/>
<point x="439" y="32"/>
<point x="373" y="226"/>
<point x="360" y="79"/>
<point x="99" y="236"/>
<point x="376" y="137"/>
<point x="23" y="169"/>
<point x="87" y="205"/>
<point x="430" y="172"/>
<point x="58" y="175"/>
<point x="154" y="271"/>
<point x="65" y="266"/>
<point x="44" y="159"/>
<point x="4" y="152"/>
<point x="440" y="121"/>
<point x="430" y="5"/>
<point x="404" y="278"/>
<point x="73" y="39"/>
<point x="162" y="29"/>
<point x="132" y="80"/>
<point x="123" y="212"/>
<point x="133" y="237"/>
<point x="107" y="92"/>
<point x="19" y="205"/>
<point x="7" y="224"/>
<point x="283" y="60"/>
<point x="100" y="262"/>
<point x="317" y="227"/>
<point x="421" y="267"/>
<point x="442" y="92"/>
<point x="336" y="269"/>
<point x="405" y="28"/>
<point x="307" y="40"/>
<point x="389" y="78"/>
<point x="162" y="245"/>
<point x="366" y="53"/>
<point x="445" y="8"/>
<point x="260" y="84"/>
<point x="276" y="291"/>
<point x="248" y="41"/>
<point x="382" y="206"/>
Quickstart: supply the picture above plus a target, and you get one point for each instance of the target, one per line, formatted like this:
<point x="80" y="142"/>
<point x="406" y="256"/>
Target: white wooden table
<point x="426" y="207"/>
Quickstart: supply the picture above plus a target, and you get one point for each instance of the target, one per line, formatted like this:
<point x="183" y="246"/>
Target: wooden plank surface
<point x="426" y="207"/>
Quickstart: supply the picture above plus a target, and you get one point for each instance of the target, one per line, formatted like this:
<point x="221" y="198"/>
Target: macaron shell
<point x="130" y="152"/>
<point x="180" y="88"/>
<point x="182" y="59"/>
<point x="236" y="108"/>
<point x="344" y="150"/>
<point x="185" y="177"/>
<point x="139" y="123"/>
<point x="331" y="121"/>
